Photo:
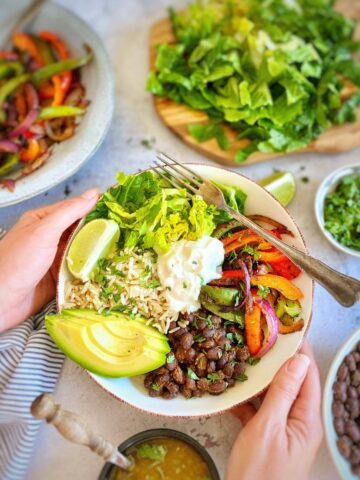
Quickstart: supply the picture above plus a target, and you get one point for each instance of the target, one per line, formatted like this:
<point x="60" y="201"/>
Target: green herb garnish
<point x="170" y="358"/>
<point x="342" y="212"/>
<point x="242" y="377"/>
<point x="212" y="377"/>
<point x="152" y="452"/>
<point x="191" y="374"/>
<point x="251" y="251"/>
<point x="263" y="291"/>
<point x="253" y="361"/>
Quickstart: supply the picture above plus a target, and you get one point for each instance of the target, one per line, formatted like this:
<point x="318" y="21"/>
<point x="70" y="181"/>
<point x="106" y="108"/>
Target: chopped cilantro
<point x="232" y="257"/>
<point x="251" y="251"/>
<point x="184" y="285"/>
<point x="253" y="361"/>
<point x="242" y="377"/>
<point x="152" y="452"/>
<point x="170" y="358"/>
<point x="199" y="338"/>
<point x="230" y="336"/>
<point x="342" y="212"/>
<point x="212" y="377"/>
<point x="263" y="291"/>
<point x="155" y="387"/>
<point x="191" y="374"/>
<point x="305" y="179"/>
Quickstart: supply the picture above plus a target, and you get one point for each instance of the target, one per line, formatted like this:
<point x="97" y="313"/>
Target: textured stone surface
<point x="124" y="24"/>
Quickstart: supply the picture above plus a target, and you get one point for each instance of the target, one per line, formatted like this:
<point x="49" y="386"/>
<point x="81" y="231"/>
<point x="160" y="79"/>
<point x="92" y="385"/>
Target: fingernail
<point x="90" y="194"/>
<point x="299" y="365"/>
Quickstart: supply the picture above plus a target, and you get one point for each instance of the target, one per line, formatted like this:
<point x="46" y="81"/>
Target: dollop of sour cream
<point x="185" y="267"/>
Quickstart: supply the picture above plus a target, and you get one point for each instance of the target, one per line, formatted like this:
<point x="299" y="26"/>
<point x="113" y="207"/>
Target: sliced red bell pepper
<point x="232" y="274"/>
<point x="25" y="43"/>
<point x="61" y="82"/>
<point x="281" y="284"/>
<point x="253" y="332"/>
<point x="286" y="268"/>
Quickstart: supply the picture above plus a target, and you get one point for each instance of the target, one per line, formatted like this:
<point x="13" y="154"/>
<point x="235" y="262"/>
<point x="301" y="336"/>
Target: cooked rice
<point x="128" y="282"/>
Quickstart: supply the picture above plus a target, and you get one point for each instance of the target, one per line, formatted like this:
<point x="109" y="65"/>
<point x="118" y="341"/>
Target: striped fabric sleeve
<point x="30" y="364"/>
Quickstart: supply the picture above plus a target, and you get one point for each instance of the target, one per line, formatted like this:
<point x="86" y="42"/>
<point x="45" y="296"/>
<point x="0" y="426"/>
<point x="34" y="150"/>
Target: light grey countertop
<point x="124" y="26"/>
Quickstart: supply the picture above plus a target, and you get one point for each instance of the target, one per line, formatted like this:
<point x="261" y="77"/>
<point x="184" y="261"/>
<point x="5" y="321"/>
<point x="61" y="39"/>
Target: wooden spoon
<point x="72" y="427"/>
<point x="177" y="116"/>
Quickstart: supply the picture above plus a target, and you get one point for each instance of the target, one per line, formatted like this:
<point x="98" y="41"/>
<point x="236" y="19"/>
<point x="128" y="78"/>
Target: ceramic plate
<point x="69" y="156"/>
<point x="132" y="391"/>
<point x="340" y="462"/>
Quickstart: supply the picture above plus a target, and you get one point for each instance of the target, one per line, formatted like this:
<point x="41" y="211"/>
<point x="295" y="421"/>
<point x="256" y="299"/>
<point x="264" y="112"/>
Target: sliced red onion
<point x="270" y="221"/>
<point x="8" y="146"/>
<point x="32" y="96"/>
<point x="272" y="326"/>
<point x="25" y="124"/>
<point x="8" y="183"/>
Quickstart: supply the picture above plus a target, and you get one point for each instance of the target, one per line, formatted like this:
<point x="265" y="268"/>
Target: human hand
<point x="280" y="440"/>
<point x="29" y="254"/>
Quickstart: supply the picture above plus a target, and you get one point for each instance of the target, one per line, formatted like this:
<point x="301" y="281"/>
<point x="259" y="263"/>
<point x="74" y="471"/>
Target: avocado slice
<point x="111" y="346"/>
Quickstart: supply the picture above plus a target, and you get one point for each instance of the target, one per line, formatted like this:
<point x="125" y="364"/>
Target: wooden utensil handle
<point x="72" y="427"/>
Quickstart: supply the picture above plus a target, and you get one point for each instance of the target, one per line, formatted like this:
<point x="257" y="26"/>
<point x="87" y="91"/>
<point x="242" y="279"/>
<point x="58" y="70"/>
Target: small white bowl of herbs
<point x="337" y="209"/>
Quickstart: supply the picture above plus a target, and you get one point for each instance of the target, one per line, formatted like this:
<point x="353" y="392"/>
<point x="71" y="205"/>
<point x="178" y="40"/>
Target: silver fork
<point x="345" y="289"/>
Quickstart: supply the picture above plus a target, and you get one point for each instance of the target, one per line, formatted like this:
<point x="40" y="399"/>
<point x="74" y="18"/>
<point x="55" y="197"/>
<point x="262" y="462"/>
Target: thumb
<point x="285" y="388"/>
<point x="62" y="215"/>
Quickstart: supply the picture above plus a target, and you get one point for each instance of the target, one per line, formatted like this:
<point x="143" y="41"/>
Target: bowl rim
<point x="323" y="189"/>
<point x="155" y="433"/>
<point x="106" y="124"/>
<point x="226" y="409"/>
<point x="341" y="464"/>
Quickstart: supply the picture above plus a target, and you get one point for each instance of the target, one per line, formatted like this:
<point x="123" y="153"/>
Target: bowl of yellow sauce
<point x="163" y="454"/>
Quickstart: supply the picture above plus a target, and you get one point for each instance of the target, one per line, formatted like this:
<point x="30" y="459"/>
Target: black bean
<point x="180" y="354"/>
<point x="344" y="445"/>
<point x="339" y="389"/>
<point x="343" y="372"/>
<point x="339" y="426"/>
<point x="201" y="323"/>
<point x="224" y="343"/>
<point x="350" y="362"/>
<point x="355" y="455"/>
<point x="231" y="354"/>
<point x="233" y="329"/>
<point x="338" y="409"/>
<point x="197" y="393"/>
<point x="216" y="321"/>
<point x="222" y="361"/>
<point x="149" y="379"/>
<point x="170" y="390"/>
<point x="186" y="340"/>
<point x="214" y="353"/>
<point x="353" y="407"/>
<point x="186" y="392"/>
<point x="357" y="357"/>
<point x="211" y="368"/>
<point x="352" y="430"/>
<point x="201" y="361"/>
<point x="231" y="382"/>
<point x="228" y="370"/>
<point x="190" y="356"/>
<point x="173" y="364"/>
<point x="208" y="332"/>
<point x="352" y="392"/>
<point x="217" y="387"/>
<point x="155" y="393"/>
<point x="190" y="384"/>
<point x="239" y="369"/>
<point x="220" y="332"/>
<point x="178" y="333"/>
<point x="209" y="343"/>
<point x="162" y="379"/>
<point x="202" y="384"/>
<point x="178" y="375"/>
<point x="355" y="378"/>
<point x="242" y="354"/>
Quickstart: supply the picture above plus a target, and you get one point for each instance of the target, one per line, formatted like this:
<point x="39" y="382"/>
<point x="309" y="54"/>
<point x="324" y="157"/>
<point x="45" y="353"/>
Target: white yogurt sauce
<point x="186" y="267"/>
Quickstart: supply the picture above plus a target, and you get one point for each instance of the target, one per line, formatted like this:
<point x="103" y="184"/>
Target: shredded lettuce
<point x="152" y="214"/>
<point x="274" y="71"/>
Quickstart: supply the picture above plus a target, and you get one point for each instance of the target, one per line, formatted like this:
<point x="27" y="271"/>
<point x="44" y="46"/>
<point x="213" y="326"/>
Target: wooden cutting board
<point x="177" y="117"/>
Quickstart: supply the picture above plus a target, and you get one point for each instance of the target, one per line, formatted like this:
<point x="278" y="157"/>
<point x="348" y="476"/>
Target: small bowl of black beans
<point x="341" y="409"/>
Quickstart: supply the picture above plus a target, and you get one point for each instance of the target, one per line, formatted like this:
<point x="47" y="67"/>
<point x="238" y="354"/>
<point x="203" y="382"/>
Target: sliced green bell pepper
<point x="11" y="160"/>
<point x="236" y="317"/>
<point x="59" y="67"/>
<point x="10" y="68"/>
<point x="60" y="111"/>
<point x="221" y="296"/>
<point x="8" y="88"/>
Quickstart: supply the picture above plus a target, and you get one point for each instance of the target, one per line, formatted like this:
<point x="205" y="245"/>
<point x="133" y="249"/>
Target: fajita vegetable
<point x="278" y="72"/>
<point x="41" y="97"/>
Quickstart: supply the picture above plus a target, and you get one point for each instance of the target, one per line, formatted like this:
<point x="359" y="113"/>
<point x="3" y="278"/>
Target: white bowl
<point x="342" y="465"/>
<point x="327" y="186"/>
<point x="132" y="391"/>
<point x="68" y="156"/>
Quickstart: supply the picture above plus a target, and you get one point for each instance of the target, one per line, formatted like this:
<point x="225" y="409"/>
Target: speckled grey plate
<point x="69" y="156"/>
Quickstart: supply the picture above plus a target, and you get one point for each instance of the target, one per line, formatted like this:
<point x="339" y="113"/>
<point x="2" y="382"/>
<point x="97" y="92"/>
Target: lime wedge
<point x="281" y="185"/>
<point x="94" y="241"/>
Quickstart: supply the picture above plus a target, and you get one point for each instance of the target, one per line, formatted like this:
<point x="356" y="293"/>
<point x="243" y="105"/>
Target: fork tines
<point x="180" y="176"/>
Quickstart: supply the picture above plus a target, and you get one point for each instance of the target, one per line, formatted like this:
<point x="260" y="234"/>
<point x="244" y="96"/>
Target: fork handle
<point x="345" y="289"/>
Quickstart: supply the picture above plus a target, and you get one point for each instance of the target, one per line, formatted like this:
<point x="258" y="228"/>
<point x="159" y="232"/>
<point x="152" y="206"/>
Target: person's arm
<point x="28" y="255"/>
<point x="281" y="439"/>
